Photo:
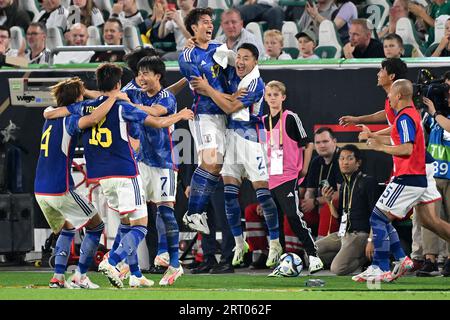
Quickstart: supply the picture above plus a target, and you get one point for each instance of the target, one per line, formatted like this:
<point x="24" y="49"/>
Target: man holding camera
<point x="438" y="121"/>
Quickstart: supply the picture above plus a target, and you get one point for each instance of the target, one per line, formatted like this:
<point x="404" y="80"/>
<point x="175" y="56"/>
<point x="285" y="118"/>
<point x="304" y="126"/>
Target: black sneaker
<point x="429" y="269"/>
<point x="204" y="267"/>
<point x="446" y="268"/>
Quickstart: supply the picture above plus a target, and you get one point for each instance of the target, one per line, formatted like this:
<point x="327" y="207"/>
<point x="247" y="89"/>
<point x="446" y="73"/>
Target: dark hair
<point x="3" y="28"/>
<point x="154" y="64"/>
<point x="132" y="59"/>
<point x="194" y="16"/>
<point x="40" y="25"/>
<point x="325" y="129"/>
<point x="351" y="148"/>
<point x="68" y="91"/>
<point x="252" y="48"/>
<point x="394" y="36"/>
<point x="395" y="66"/>
<point x="108" y="76"/>
<point x="115" y="20"/>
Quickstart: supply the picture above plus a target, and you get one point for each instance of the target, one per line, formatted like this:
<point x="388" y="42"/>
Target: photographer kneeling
<point x="438" y="121"/>
<point x="349" y="249"/>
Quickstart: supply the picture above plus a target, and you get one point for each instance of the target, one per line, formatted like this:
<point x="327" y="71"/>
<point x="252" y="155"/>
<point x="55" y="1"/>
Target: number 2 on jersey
<point x="97" y="133"/>
<point x="45" y="139"/>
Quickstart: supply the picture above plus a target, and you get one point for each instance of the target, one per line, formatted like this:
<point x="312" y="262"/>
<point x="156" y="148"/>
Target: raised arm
<point x="177" y="86"/>
<point x="224" y="101"/>
<point x="379" y="116"/>
<point x="54" y="113"/>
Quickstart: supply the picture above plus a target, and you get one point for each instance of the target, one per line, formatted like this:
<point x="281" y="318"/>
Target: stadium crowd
<point x="360" y="29"/>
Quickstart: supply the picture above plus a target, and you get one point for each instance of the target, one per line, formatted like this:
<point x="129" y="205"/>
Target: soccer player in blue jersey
<point x="65" y="209"/>
<point x="156" y="159"/>
<point x="245" y="155"/>
<point x="208" y="127"/>
<point x="110" y="160"/>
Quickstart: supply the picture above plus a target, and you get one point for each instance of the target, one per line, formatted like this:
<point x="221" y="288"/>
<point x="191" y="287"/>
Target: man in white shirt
<point x="5" y="38"/>
<point x="78" y="36"/>
<point x="36" y="37"/>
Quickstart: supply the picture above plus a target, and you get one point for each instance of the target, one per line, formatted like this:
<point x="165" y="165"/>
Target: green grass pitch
<point x="34" y="286"/>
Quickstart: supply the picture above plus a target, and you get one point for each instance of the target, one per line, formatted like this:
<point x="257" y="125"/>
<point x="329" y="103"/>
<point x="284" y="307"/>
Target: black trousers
<point x="286" y="199"/>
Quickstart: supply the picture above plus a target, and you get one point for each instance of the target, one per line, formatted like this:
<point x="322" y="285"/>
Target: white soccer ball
<point x="291" y="265"/>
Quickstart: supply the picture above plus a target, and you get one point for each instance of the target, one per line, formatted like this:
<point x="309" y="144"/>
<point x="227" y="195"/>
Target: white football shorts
<point x="70" y="206"/>
<point x="125" y="196"/>
<point x="244" y="159"/>
<point x="208" y="132"/>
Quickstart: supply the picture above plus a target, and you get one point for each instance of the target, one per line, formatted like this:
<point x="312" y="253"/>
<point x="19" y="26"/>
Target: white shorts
<point x="208" y="132"/>
<point x="398" y="199"/>
<point x="244" y="159"/>
<point x="125" y="196"/>
<point x="431" y="193"/>
<point x="160" y="184"/>
<point x="71" y="207"/>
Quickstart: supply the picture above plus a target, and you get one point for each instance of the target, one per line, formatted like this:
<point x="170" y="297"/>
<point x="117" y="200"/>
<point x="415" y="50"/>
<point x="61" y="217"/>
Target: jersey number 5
<point x="97" y="133"/>
<point x="45" y="139"/>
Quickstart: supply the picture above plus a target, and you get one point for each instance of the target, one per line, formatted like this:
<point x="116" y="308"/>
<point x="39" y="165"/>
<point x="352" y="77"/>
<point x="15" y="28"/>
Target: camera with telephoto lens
<point x="434" y="89"/>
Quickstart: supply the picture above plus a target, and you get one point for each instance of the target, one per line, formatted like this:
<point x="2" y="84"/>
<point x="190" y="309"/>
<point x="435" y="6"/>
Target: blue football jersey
<point x="253" y="129"/>
<point x="107" y="149"/>
<point x="58" y="142"/>
<point x="156" y="145"/>
<point x="198" y="62"/>
<point x="439" y="147"/>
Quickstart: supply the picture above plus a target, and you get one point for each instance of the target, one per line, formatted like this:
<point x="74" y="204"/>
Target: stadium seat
<point x="439" y="27"/>
<point x="257" y="30"/>
<point x="289" y="30"/>
<point x="104" y="5"/>
<point x="293" y="52"/>
<point x="55" y="38"/>
<point x="144" y="5"/>
<point x="94" y="36"/>
<point x="329" y="44"/>
<point x="131" y="37"/>
<point x="377" y="12"/>
<point x="405" y="29"/>
<point x="17" y="37"/>
<point x="30" y="6"/>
